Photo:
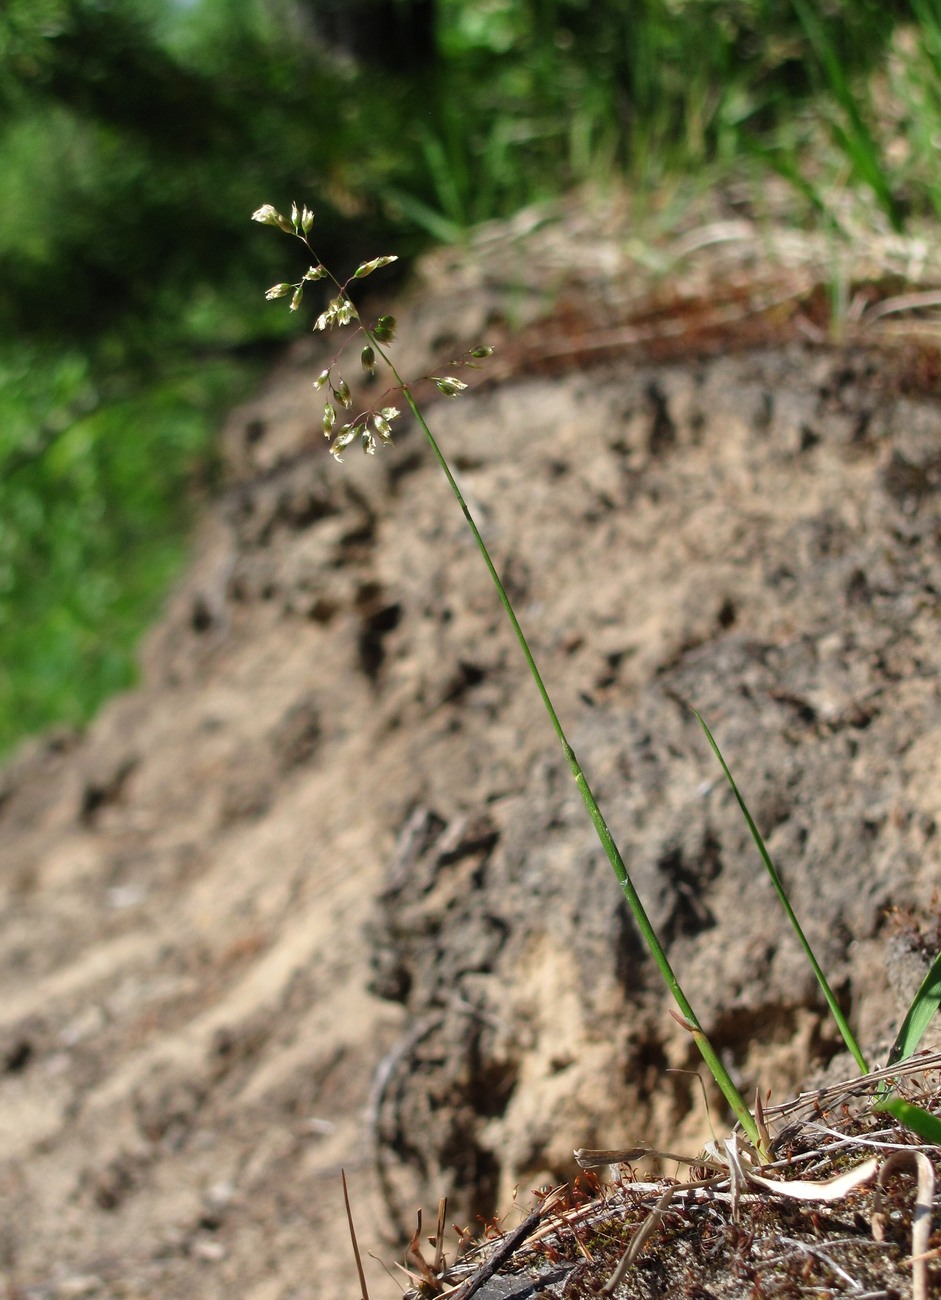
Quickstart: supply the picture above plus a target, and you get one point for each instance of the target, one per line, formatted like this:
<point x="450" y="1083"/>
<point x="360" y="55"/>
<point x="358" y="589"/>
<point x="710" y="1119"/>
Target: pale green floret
<point x="484" y="350"/>
<point x="321" y="379"/>
<point x="381" y="426"/>
<point x="448" y="385"/>
<point x="368" y="359"/>
<point x="278" y="291"/>
<point x="340" y="311"/>
<point x="296" y="297"/>
<point x="329" y="419"/>
<point x="270" y="216"/>
<point x="367" y="268"/>
<point x="342" y="393"/>
<point x="315" y="273"/>
<point x="342" y="440"/>
<point x="307" y="220"/>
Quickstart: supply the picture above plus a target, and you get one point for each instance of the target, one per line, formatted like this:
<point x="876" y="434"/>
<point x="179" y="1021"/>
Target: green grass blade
<point x="920" y="1121"/>
<point x="848" y="1036"/>
<point x="434" y="223"/>
<point x="925" y="1004"/>
<point x="855" y="137"/>
<point x="787" y="167"/>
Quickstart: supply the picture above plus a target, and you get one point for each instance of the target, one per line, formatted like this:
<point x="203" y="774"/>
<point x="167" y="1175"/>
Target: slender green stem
<point x="841" y="1021"/>
<point x="689" y="1018"/>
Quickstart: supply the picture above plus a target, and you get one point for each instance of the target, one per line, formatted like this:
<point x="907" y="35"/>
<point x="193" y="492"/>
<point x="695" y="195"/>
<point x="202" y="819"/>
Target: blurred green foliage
<point x="135" y="141"/>
<point x="535" y="95"/>
<point x="92" y="527"/>
<point x="137" y="136"/>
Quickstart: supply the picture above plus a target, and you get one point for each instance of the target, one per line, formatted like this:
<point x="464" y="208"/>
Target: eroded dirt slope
<point x="321" y="893"/>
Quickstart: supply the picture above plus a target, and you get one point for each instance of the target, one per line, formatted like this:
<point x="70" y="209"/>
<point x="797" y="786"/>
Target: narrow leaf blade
<point x="840" y="1020"/>
<point x="920" y="1121"/>
<point x="919" y="1015"/>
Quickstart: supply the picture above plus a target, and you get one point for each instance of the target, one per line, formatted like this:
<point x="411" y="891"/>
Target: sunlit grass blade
<point x="854" y="137"/>
<point x="436" y="224"/>
<point x="919" y="1015"/>
<point x="920" y="1121"/>
<point x="848" y="1036"/>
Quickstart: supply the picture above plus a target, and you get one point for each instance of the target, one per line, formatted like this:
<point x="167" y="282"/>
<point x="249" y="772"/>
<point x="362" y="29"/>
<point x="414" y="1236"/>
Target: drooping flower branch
<point x="373" y="426"/>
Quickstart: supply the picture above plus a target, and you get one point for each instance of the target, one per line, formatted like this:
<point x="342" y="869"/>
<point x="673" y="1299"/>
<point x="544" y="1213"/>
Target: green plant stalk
<point x="689" y="1019"/>
<point x="841" y="1021"/>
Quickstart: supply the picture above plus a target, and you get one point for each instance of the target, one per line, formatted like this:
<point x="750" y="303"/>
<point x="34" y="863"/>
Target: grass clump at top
<point x="133" y="134"/>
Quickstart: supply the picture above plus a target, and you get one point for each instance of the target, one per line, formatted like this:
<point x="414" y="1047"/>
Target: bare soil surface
<point x="320" y="893"/>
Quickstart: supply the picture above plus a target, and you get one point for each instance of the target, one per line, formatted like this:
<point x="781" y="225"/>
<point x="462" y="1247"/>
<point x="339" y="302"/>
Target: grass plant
<point x="372" y="427"/>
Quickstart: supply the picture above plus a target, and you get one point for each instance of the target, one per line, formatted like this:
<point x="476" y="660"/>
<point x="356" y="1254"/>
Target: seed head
<point x="384" y="329"/>
<point x="448" y="385"/>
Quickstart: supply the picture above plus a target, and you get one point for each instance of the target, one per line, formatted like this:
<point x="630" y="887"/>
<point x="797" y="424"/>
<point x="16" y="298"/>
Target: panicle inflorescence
<point x="371" y="426"/>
